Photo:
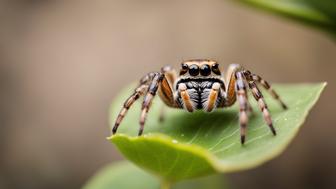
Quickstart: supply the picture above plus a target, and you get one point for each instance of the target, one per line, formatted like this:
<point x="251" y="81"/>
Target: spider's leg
<point x="138" y="92"/>
<point x="170" y="74"/>
<point x="128" y="103"/>
<point x="267" y="86"/>
<point x="165" y="91"/>
<point x="236" y="90"/>
<point x="212" y="98"/>
<point x="152" y="89"/>
<point x="262" y="104"/>
<point x="230" y="85"/>
<point x="241" y="94"/>
<point x="187" y="103"/>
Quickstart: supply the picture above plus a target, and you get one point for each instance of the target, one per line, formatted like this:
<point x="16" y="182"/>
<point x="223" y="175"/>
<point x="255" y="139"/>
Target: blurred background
<point x="62" y="63"/>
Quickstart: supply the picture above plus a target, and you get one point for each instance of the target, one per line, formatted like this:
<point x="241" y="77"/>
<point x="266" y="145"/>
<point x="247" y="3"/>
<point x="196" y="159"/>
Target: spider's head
<point x="200" y="68"/>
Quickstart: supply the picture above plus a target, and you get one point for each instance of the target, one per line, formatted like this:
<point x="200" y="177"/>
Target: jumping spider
<point x="201" y="85"/>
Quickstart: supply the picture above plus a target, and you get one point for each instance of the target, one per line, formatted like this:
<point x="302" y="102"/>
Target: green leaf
<point x="188" y="145"/>
<point x="318" y="13"/>
<point x="124" y="175"/>
<point x="328" y="7"/>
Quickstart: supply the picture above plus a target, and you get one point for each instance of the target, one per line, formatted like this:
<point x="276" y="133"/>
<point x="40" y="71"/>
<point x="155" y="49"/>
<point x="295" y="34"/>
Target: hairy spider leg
<point x="153" y="87"/>
<point x="138" y="92"/>
<point x="238" y="77"/>
<point x="230" y="85"/>
<point x="267" y="86"/>
<point x="166" y="90"/>
<point x="236" y="91"/>
<point x="262" y="105"/>
<point x="241" y="94"/>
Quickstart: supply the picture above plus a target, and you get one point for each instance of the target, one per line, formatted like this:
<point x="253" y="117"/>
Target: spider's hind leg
<point x="262" y="104"/>
<point x="266" y="85"/>
<point x="252" y="80"/>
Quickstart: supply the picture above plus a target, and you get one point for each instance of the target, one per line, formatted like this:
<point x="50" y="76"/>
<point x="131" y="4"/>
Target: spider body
<point x="200" y="85"/>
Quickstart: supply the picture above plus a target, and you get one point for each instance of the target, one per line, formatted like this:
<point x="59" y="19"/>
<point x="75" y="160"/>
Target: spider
<point x="200" y="85"/>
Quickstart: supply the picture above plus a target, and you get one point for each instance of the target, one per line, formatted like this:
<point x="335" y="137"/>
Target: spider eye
<point x="205" y="70"/>
<point x="194" y="70"/>
<point x="215" y="68"/>
<point x="184" y="66"/>
<point x="184" y="69"/>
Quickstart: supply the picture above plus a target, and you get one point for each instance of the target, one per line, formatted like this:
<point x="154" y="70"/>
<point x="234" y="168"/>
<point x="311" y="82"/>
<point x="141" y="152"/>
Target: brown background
<point x="62" y="62"/>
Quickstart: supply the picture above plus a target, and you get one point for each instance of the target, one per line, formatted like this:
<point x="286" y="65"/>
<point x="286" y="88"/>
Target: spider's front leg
<point x="241" y="93"/>
<point x="166" y="90"/>
<point x="236" y="80"/>
<point x="153" y="87"/>
<point x="148" y="86"/>
<point x="236" y="91"/>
